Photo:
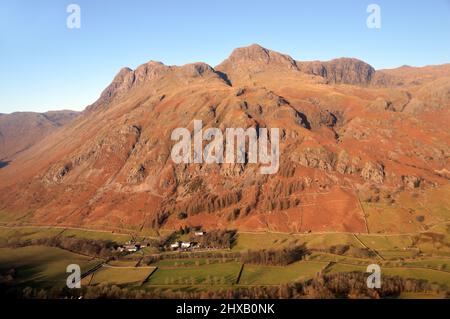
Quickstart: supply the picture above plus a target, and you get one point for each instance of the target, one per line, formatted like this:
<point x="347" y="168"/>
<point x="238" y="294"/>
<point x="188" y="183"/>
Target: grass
<point x="325" y="257"/>
<point x="274" y="275"/>
<point x="187" y="262"/>
<point x="389" y="218"/>
<point x="97" y="235"/>
<point x="339" y="267"/>
<point x="29" y="233"/>
<point x="386" y="242"/>
<point x="254" y="241"/>
<point x="433" y="204"/>
<point x="147" y="251"/>
<point x="213" y="274"/>
<point x="432" y="276"/>
<point x="122" y="263"/>
<point x="120" y="276"/>
<point x="398" y="254"/>
<point x="42" y="267"/>
<point x="26" y="233"/>
<point x="439" y="264"/>
<point x="324" y="241"/>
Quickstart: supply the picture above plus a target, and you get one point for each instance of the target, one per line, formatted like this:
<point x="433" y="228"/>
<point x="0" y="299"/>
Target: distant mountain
<point x="347" y="133"/>
<point x="21" y="130"/>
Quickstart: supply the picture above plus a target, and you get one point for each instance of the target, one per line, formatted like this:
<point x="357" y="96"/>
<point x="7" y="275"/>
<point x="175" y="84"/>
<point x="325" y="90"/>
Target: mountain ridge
<point x="111" y="166"/>
<point x="21" y="130"/>
<point x="253" y="59"/>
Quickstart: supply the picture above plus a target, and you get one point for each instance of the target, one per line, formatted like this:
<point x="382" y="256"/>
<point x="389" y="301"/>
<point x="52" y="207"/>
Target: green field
<point x="122" y="263"/>
<point x="120" y="276"/>
<point x="420" y="256"/>
<point x="26" y="233"/>
<point x="432" y="205"/>
<point x="213" y="274"/>
<point x="274" y="275"/>
<point x="40" y="266"/>
<point x="276" y="240"/>
<point x="432" y="276"/>
<point x="326" y="257"/>
<point x="438" y="264"/>
<point x="30" y="233"/>
<point x="187" y="262"/>
<point x="377" y="242"/>
<point x="405" y="271"/>
<point x="97" y="235"/>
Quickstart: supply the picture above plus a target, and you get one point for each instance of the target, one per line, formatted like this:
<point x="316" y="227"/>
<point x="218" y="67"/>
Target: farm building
<point x="185" y="244"/>
<point x="129" y="248"/>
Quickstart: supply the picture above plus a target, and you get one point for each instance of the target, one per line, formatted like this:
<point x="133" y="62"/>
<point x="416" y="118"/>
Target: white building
<point x="131" y="248"/>
<point x="175" y="245"/>
<point x="199" y="233"/>
<point x="185" y="244"/>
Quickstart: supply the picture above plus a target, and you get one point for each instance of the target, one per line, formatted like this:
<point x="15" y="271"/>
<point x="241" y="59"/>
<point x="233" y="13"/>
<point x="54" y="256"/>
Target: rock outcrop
<point x="343" y="70"/>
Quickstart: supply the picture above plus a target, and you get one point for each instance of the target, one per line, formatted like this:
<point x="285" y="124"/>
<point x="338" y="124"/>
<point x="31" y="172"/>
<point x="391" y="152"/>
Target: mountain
<point x="348" y="134"/>
<point x="343" y="70"/>
<point x="247" y="61"/>
<point x="20" y="130"/>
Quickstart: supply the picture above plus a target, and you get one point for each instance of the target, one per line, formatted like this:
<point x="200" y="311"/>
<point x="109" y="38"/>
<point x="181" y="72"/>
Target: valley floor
<point x="421" y="256"/>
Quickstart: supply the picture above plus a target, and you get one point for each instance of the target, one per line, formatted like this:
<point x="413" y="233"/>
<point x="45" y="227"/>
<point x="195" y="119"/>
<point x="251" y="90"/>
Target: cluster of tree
<point x="186" y="230"/>
<point x="339" y="249"/>
<point x="218" y="239"/>
<point x="282" y="256"/>
<point x="340" y="285"/>
<point x="182" y="215"/>
<point x="353" y="285"/>
<point x="350" y="251"/>
<point x="159" y="220"/>
<point x="90" y="247"/>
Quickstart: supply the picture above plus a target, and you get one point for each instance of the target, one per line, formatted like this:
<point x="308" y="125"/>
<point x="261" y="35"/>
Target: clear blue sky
<point x="44" y="65"/>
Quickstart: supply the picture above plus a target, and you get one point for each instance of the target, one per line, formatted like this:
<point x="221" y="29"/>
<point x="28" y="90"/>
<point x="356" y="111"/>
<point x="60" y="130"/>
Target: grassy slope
<point x="217" y="273"/>
<point x="119" y="238"/>
<point x="273" y="275"/>
<point x="40" y="266"/>
<point x="120" y="275"/>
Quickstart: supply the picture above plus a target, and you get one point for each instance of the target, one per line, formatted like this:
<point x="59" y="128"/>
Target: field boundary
<point x="240" y="274"/>
<point x="148" y="277"/>
<point x="367" y="247"/>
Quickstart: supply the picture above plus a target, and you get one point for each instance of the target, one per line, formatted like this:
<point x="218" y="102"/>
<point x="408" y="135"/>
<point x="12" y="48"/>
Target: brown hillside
<point x="344" y="135"/>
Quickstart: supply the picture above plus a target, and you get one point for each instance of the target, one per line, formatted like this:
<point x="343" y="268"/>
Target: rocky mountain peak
<point x="341" y="70"/>
<point x="254" y="59"/>
<point x="150" y="73"/>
